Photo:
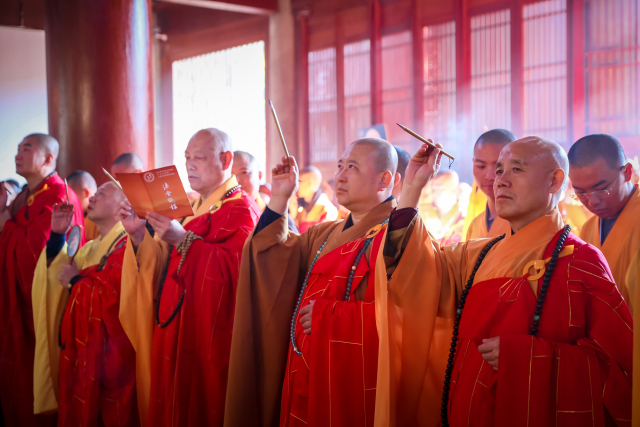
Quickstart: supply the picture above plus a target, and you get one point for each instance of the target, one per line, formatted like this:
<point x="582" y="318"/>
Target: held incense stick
<point x="66" y="188"/>
<point x="284" y="144"/>
<point x="426" y="141"/>
<point x="117" y="184"/>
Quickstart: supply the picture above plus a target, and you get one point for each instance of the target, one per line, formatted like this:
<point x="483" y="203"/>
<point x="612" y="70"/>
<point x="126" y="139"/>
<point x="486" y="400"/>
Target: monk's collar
<point x="551" y="223"/>
<point x="386" y="206"/>
<point x="44" y="180"/>
<point x="216" y="196"/>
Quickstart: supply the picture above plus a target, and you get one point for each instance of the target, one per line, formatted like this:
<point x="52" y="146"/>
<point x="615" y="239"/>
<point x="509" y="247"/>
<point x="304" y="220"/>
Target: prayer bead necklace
<point x="183" y="248"/>
<point x="368" y="239"/>
<point x="456" y="324"/>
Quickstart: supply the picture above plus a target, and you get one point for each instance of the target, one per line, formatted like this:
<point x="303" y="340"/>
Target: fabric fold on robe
<point x="49" y="300"/>
<point x="166" y="356"/>
<point x="633" y="284"/>
<point x="21" y="242"/>
<point x="424" y="290"/>
<point x="274" y="264"/>
<point x="621" y="244"/>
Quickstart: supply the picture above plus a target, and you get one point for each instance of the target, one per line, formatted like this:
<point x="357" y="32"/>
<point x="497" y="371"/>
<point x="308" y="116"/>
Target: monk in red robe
<point x="526" y="329"/>
<point x="97" y="362"/>
<point x="305" y="345"/>
<point x="191" y="270"/>
<point x="485" y="155"/>
<point x="25" y="227"/>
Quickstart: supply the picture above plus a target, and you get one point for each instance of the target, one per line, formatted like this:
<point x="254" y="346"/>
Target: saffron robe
<point x="478" y="227"/>
<point x="621" y="244"/>
<point x="21" y="242"/>
<point x="90" y="230"/>
<point x="321" y="210"/>
<point x="335" y="381"/>
<point x="49" y="301"/>
<point x="633" y="279"/>
<point x="578" y="365"/>
<point x="477" y="204"/>
<point x="186" y="362"/>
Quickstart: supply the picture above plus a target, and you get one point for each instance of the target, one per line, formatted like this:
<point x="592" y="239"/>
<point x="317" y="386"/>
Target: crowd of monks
<point x="392" y="295"/>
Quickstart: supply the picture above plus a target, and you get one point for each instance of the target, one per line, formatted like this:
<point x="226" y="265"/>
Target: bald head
<point x="530" y="175"/>
<point x="218" y="139"/>
<point x="209" y="159"/>
<point x="83" y="184"/>
<point x="47" y="143"/>
<point x="496" y="137"/>
<point x="385" y="155"/>
<point x="403" y="160"/>
<point x="245" y="168"/>
<point x="591" y="148"/>
<point x="127" y="163"/>
<point x="37" y="157"/>
<point x="104" y="206"/>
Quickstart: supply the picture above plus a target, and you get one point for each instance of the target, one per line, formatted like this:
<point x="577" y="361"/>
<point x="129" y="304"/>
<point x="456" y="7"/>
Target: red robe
<point x="97" y="365"/>
<point x="190" y="357"/>
<point x="333" y="382"/>
<point x="21" y="242"/>
<point x="575" y="372"/>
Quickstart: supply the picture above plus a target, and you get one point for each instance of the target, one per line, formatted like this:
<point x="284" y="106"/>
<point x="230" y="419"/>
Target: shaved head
<point x="127" y="163"/>
<point x="81" y="179"/>
<point x="37" y="157"/>
<point x="209" y="160"/>
<point x="245" y="168"/>
<point x="219" y="139"/>
<point x="47" y="143"/>
<point x="589" y="149"/>
<point x="403" y="160"/>
<point x="386" y="157"/>
<point x="496" y="137"/>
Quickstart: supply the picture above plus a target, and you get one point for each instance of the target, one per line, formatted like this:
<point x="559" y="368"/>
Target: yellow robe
<point x="478" y="227"/>
<point x="49" y="300"/>
<point x="477" y="203"/>
<point x="139" y="288"/>
<point x="620" y="245"/>
<point x="90" y="230"/>
<point x="410" y="305"/>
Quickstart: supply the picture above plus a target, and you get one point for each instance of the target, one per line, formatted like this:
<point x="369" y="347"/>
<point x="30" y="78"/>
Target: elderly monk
<point x="485" y="155"/>
<point x="85" y="187"/>
<point x="601" y="178"/>
<point x="97" y="361"/>
<point x="245" y="168"/>
<point x="190" y="269"/>
<point x="314" y="205"/>
<point x="326" y="357"/>
<point x="403" y="161"/>
<point x="25" y="228"/>
<point x="536" y="329"/>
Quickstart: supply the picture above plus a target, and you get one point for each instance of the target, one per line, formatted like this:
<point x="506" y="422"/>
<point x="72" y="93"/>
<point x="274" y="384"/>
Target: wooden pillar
<point x="517" y="77"/>
<point x="463" y="87"/>
<point x="99" y="81"/>
<point x="376" y="63"/>
<point x="302" y="85"/>
<point x="340" y="85"/>
<point x="418" y="72"/>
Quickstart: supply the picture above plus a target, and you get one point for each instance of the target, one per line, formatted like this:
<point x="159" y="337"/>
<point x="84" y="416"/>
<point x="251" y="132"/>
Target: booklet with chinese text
<point x="157" y="190"/>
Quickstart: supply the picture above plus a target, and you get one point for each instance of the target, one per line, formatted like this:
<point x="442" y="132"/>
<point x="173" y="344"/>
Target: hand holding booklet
<point x="158" y="190"/>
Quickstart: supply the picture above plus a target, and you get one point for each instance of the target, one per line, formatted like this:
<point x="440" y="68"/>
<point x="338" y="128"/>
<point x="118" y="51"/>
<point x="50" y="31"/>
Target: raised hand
<point x="167" y="229"/>
<point x="61" y="217"/>
<point x="422" y="168"/>
<point x="134" y="226"/>
<point x="284" y="184"/>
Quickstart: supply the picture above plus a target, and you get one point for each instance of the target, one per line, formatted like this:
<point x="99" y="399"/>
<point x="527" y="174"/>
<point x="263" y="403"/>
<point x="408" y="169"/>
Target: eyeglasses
<point x="598" y="194"/>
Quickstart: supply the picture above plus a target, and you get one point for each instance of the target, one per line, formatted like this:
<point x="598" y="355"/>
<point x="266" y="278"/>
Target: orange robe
<point x="578" y="365"/>
<point x="633" y="279"/>
<point x="97" y="384"/>
<point x="333" y="382"/>
<point x="478" y="227"/>
<point x="90" y="230"/>
<point x="621" y="244"/>
<point x="322" y="210"/>
<point x="21" y="242"/>
<point x="477" y="204"/>
<point x="186" y="362"/>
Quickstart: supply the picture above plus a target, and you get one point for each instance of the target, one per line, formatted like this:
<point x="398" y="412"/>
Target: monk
<point x="485" y="155"/>
<point x="403" y="161"/>
<point x="318" y="369"/>
<point x="25" y="228"/>
<point x="601" y="178"/>
<point x="127" y="163"/>
<point x="445" y="217"/>
<point x="314" y="206"/>
<point x="97" y="361"/>
<point x="190" y="269"/>
<point x="245" y="168"/>
<point x="525" y="329"/>
<point x="85" y="187"/>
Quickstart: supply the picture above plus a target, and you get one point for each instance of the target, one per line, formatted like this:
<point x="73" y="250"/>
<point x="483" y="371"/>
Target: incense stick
<point x="117" y="184"/>
<point x="426" y="141"/>
<point x="66" y="188"/>
<point x="284" y="144"/>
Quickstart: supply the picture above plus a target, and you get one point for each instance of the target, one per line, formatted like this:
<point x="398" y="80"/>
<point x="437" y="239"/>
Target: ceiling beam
<point x="251" y="7"/>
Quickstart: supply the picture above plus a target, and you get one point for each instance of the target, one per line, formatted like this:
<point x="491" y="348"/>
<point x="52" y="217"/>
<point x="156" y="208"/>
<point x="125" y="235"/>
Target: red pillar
<point x="99" y="81"/>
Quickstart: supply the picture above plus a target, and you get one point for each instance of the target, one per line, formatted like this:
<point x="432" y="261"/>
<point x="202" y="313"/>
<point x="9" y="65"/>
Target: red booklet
<point x="158" y="190"/>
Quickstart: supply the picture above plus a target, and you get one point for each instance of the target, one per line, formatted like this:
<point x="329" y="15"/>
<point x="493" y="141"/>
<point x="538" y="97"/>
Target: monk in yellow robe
<point x="314" y="206"/>
<point x="526" y="329"/>
<point x="83" y="184"/>
<point x="305" y="345"/>
<point x="485" y="155"/>
<point x="601" y="178"/>
<point x="85" y="364"/>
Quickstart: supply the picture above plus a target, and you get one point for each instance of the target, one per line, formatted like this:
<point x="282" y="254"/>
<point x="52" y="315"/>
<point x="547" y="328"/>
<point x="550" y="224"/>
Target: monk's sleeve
<point x="273" y="262"/>
<point x="632" y="281"/>
<point x="140" y="271"/>
<point x="414" y="313"/>
<point x="584" y="382"/>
